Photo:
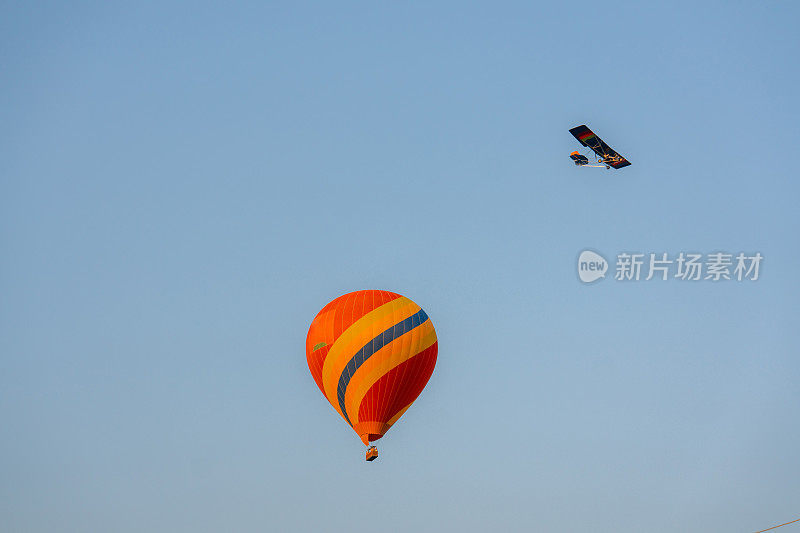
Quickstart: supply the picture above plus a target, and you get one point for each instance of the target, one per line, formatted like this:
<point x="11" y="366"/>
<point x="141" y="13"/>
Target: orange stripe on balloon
<point x="414" y="382"/>
<point x="396" y="352"/>
<point x="315" y="360"/>
<point x="400" y="413"/>
<point x="335" y="318"/>
<point x="398" y="388"/>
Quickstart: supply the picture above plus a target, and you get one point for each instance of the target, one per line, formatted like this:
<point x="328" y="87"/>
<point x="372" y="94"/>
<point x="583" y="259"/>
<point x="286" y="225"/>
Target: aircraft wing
<point x="588" y="138"/>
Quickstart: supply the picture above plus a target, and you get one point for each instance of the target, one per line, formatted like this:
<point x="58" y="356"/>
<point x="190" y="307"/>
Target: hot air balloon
<point x="371" y="353"/>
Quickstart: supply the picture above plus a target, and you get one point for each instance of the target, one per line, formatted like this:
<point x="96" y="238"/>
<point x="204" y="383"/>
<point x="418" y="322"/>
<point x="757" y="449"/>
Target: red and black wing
<point x="608" y="155"/>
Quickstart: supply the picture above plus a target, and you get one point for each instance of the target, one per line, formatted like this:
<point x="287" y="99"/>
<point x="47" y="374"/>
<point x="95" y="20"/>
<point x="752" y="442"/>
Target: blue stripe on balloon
<point x="373" y="346"/>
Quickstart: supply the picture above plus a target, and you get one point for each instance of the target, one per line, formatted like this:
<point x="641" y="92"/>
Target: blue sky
<point x="183" y="187"/>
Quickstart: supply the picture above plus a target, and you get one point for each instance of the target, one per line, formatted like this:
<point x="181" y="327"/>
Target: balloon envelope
<point x="371" y="354"/>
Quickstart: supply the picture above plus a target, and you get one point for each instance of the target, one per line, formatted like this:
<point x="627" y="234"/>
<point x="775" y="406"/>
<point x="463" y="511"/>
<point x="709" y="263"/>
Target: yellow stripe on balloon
<point x="356" y="336"/>
<point x="382" y="361"/>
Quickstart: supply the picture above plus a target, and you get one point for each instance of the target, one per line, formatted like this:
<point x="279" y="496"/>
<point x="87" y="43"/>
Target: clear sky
<point x="184" y="185"/>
